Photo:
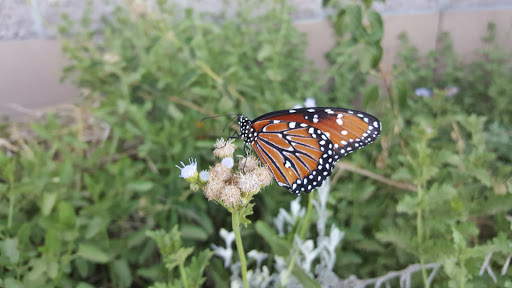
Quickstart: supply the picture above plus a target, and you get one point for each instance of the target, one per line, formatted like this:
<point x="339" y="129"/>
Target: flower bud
<point x="213" y="189"/>
<point x="248" y="164"/>
<point x="263" y="175"/>
<point x="204" y="176"/>
<point x="224" y="148"/>
<point x="228" y="162"/>
<point x="220" y="172"/>
<point x="248" y="183"/>
<point x="231" y="196"/>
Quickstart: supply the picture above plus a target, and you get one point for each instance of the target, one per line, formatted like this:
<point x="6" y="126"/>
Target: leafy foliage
<point x="76" y="210"/>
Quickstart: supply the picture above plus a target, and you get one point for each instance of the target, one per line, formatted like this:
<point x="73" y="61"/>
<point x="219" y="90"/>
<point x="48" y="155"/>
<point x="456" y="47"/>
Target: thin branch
<point x="388" y="89"/>
<point x="190" y="105"/>
<point x="369" y="174"/>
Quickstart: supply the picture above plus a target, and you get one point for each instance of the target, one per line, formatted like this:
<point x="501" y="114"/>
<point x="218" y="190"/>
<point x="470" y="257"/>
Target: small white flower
<point x="281" y="263"/>
<point x="321" y="206"/>
<point x="297" y="106"/>
<point x="188" y="170"/>
<point x="204" y="175"/>
<point x="423" y="92"/>
<point x="308" y="251"/>
<point x="296" y="209"/>
<point x="258" y="257"/>
<point x="228" y="162"/>
<point x="310" y="102"/>
<point x="228" y="237"/>
<point x="283" y="217"/>
<point x="223" y="253"/>
<point x="328" y="255"/>
<point x="279" y="222"/>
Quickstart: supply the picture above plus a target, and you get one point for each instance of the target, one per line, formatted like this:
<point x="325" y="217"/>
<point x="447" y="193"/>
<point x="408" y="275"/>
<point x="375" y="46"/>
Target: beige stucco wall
<point x="30" y="62"/>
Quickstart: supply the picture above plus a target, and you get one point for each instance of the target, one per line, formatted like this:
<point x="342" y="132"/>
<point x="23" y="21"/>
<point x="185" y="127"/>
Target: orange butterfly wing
<point x="301" y="146"/>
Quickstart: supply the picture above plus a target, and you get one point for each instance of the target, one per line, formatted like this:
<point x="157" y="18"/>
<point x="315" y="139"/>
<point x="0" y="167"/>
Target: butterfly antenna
<point x="211" y="117"/>
<point x="236" y="115"/>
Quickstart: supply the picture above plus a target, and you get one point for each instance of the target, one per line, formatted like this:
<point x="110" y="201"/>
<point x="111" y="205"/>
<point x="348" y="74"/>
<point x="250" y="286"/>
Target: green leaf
<point x="196" y="267"/>
<point x="96" y="225"/>
<point x="371" y="95"/>
<point x="244" y="212"/>
<point x="376" y="29"/>
<point x="355" y="21"/>
<point x="152" y="272"/>
<point x="369" y="55"/>
<point x="122" y="273"/>
<point x="52" y="269"/>
<point x="52" y="244"/>
<point x="402" y="174"/>
<point x="304" y="278"/>
<point x="175" y="113"/>
<point x="178" y="257"/>
<point x="139" y="186"/>
<point x="48" y="202"/>
<point x="408" y="204"/>
<point x="13" y="283"/>
<point x="9" y="248"/>
<point x="66" y="214"/>
<point x="339" y="22"/>
<point x="167" y="243"/>
<point x="367" y="3"/>
<point x="82" y="266"/>
<point x="92" y="253"/>
<point x="482" y="175"/>
<point x="23" y="234"/>
<point x="193" y="232"/>
<point x="36" y="276"/>
<point x="278" y="245"/>
<point x="264" y="52"/>
<point x="400" y="91"/>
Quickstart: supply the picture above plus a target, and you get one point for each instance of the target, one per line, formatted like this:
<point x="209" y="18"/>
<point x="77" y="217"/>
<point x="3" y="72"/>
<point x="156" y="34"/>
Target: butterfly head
<point x="247" y="132"/>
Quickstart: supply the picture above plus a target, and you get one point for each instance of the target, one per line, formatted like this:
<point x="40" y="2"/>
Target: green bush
<point x="76" y="211"/>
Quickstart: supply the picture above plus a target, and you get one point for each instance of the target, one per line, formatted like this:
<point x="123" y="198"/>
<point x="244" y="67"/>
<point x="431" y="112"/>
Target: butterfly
<point x="301" y="146"/>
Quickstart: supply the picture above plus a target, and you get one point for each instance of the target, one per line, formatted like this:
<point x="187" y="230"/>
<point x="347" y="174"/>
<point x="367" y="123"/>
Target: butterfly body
<point x="301" y="146"/>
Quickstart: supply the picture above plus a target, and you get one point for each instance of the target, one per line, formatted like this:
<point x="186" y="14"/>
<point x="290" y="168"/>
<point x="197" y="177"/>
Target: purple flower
<point x="423" y="92"/>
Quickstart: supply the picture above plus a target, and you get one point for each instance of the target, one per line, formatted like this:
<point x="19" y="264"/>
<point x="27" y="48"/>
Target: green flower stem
<point x="183" y="274"/>
<point x="236" y="228"/>
<point x="303" y="228"/>
<point x="419" y="225"/>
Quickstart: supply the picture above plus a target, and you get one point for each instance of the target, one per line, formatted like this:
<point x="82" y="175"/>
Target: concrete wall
<point x="30" y="60"/>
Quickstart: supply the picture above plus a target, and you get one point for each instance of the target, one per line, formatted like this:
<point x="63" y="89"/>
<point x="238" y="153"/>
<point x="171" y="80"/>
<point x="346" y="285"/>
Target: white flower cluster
<point x="325" y="244"/>
<point x="324" y="251"/>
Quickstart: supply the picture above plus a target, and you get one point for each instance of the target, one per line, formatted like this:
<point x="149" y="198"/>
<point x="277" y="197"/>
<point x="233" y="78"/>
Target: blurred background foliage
<point x="75" y="209"/>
